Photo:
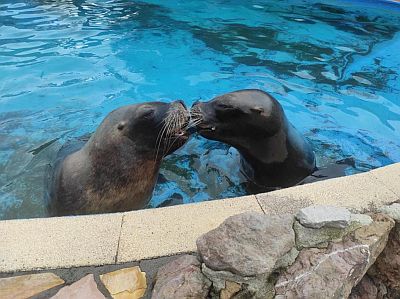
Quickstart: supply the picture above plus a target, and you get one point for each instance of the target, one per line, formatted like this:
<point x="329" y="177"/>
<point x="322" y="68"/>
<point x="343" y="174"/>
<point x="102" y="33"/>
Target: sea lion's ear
<point x="121" y="125"/>
<point x="257" y="110"/>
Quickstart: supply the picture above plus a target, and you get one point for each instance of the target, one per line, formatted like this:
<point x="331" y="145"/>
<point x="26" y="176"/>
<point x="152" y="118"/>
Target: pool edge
<point x="64" y="242"/>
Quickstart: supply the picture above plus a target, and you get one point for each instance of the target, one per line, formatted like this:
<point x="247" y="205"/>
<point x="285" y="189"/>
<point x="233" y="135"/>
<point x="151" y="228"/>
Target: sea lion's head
<point x="238" y="118"/>
<point x="154" y="129"/>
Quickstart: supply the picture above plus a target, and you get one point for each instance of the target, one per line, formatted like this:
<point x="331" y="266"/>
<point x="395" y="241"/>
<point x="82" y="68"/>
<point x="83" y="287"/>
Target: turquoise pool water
<point x="65" y="64"/>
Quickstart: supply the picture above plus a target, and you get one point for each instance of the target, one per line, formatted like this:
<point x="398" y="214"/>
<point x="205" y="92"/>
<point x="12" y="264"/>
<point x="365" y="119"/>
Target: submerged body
<point x="117" y="169"/>
<point x="273" y="153"/>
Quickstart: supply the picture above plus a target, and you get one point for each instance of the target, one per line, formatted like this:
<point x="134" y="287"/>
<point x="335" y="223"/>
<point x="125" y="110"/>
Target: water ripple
<point x="65" y="64"/>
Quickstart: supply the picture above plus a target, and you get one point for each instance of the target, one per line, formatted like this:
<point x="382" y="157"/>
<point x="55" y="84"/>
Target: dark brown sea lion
<point x="117" y="169"/>
<point x="273" y="153"/>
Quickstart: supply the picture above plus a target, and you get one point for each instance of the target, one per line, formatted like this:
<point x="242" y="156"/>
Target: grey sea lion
<point x="116" y="170"/>
<point x="273" y="153"/>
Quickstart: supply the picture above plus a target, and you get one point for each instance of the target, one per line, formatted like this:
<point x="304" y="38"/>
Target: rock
<point x="365" y="289"/>
<point x="333" y="272"/>
<point x="260" y="286"/>
<point x="26" y="286"/>
<point x="288" y="259"/>
<point x="386" y="269"/>
<point x="358" y="220"/>
<point x="312" y="237"/>
<point x="247" y="244"/>
<point x="181" y="278"/>
<point x="324" y="216"/>
<point x="86" y="287"/>
<point x="375" y="235"/>
<point x="128" y="283"/>
<point x="393" y="211"/>
<point x="231" y="289"/>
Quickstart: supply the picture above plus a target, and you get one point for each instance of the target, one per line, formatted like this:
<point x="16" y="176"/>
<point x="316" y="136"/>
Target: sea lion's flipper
<point x="334" y="170"/>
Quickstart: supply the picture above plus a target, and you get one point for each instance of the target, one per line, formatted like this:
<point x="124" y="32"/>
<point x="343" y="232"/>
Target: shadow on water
<point x="264" y="46"/>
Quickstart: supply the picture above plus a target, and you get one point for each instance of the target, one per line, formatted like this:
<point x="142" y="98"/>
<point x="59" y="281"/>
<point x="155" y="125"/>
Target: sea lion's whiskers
<point x="165" y="137"/>
<point x="180" y="122"/>
<point x="162" y="128"/>
<point x="177" y="124"/>
<point x="175" y="139"/>
<point x="171" y="120"/>
<point x="160" y="137"/>
<point x="195" y="110"/>
<point x="195" y="123"/>
<point x="171" y="127"/>
<point x="158" y="141"/>
<point x="196" y="116"/>
<point x="169" y="124"/>
<point x="175" y="121"/>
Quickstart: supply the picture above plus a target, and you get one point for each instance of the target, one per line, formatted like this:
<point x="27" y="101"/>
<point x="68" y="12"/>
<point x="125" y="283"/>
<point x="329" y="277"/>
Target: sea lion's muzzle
<point x="202" y="120"/>
<point x="179" y="118"/>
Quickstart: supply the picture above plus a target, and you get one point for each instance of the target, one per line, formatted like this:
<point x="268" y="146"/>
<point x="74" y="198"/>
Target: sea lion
<point x="117" y="168"/>
<point x="273" y="153"/>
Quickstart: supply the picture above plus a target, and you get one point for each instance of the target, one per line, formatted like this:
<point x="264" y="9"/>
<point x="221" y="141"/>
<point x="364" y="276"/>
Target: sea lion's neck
<point x="122" y="178"/>
<point x="124" y="156"/>
<point x="281" y="160"/>
<point x="266" y="150"/>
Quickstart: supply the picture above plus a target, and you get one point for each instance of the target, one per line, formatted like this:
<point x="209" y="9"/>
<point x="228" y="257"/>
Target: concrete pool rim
<point x="107" y="239"/>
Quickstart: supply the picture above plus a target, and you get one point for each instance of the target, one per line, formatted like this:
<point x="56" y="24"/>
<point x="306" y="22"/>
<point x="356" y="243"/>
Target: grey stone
<point x="260" y="286"/>
<point x="324" y="216"/>
<point x="247" y="244"/>
<point x="86" y="287"/>
<point x="333" y="272"/>
<point x="393" y="211"/>
<point x="181" y="278"/>
<point x="312" y="237"/>
<point x="288" y="259"/>
<point x="360" y="219"/>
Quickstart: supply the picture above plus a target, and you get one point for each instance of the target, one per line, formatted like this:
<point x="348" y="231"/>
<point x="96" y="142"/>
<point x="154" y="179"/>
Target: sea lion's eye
<point x="121" y="125"/>
<point x="228" y="111"/>
<point x="257" y="110"/>
<point x="225" y="107"/>
<point x="148" y="113"/>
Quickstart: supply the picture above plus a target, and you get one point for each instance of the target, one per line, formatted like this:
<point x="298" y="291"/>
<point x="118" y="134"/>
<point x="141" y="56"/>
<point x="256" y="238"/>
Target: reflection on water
<point x="65" y="64"/>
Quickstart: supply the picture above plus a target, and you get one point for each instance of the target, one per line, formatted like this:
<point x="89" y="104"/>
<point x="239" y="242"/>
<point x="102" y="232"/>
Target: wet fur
<point x="273" y="153"/>
<point x="111" y="173"/>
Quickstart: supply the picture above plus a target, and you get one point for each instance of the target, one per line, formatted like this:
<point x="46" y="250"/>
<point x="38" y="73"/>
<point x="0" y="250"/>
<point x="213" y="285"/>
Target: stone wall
<point x="321" y="252"/>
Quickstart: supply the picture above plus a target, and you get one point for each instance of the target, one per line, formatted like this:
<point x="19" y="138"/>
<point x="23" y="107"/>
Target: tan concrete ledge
<point x="116" y="238"/>
<point x="167" y="231"/>
<point x="63" y="242"/>
<point x="359" y="192"/>
<point x="59" y="242"/>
